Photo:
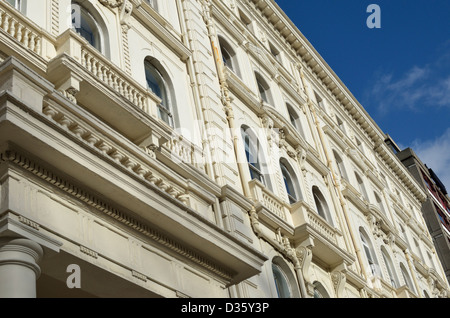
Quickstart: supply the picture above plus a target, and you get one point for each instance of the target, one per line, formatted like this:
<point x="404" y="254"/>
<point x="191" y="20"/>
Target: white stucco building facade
<point x="194" y="148"/>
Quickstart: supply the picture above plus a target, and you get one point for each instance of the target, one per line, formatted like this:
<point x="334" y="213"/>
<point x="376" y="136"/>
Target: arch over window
<point x="263" y="88"/>
<point x="406" y="277"/>
<point x="228" y="55"/>
<point x="290" y="181"/>
<point x="340" y="165"/>
<point x="370" y="252"/>
<point x="253" y="152"/>
<point x="88" y="26"/>
<point x="321" y="204"/>
<point x="390" y="267"/>
<point x="320" y="291"/>
<point x="158" y="82"/>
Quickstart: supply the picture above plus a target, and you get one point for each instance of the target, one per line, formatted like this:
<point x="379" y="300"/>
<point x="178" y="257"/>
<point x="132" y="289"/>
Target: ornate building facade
<point x="194" y="148"/>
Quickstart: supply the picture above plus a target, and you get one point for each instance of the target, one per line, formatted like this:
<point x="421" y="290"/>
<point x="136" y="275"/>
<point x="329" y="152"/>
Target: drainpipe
<point x="330" y="166"/>
<point x="226" y="101"/>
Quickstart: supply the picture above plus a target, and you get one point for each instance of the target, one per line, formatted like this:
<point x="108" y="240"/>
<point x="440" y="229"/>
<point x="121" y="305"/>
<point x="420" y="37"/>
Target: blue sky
<point x="400" y="72"/>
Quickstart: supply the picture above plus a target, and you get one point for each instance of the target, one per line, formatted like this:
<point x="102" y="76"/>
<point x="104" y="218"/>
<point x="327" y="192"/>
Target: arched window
<point x="340" y="165"/>
<point x="320" y="291"/>
<point x="253" y="154"/>
<point x="390" y="268"/>
<point x="362" y="187"/>
<point x="87" y="26"/>
<point x="263" y="88"/>
<point x="290" y="182"/>
<point x="419" y="250"/>
<point x="379" y="203"/>
<point x="370" y="253"/>
<point x="281" y="282"/>
<point x="321" y="204"/>
<point x="406" y="277"/>
<point x="228" y="55"/>
<point x="295" y="119"/>
<point x="158" y="85"/>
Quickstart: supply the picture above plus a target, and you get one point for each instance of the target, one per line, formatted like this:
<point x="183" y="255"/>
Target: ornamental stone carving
<point x="111" y="3"/>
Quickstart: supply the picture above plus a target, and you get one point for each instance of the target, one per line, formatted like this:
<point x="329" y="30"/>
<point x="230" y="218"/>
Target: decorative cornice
<point x="20" y="160"/>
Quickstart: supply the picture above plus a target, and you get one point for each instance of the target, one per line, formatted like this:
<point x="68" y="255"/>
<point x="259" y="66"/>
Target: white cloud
<point x="436" y="155"/>
<point x="421" y="86"/>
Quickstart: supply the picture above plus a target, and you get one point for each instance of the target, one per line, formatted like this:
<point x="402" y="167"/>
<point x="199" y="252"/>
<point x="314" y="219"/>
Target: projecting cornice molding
<point x="272" y="13"/>
<point x="20" y="160"/>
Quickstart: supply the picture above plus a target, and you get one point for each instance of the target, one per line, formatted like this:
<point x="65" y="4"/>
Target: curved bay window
<point x="85" y="25"/>
<point x="157" y="84"/>
<point x="252" y="151"/>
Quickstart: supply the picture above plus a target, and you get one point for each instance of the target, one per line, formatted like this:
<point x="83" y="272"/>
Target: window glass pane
<point x="281" y="283"/>
<point x="262" y="92"/>
<point x="252" y="154"/>
<point x="289" y="184"/>
<point x="85" y="25"/>
<point x="156" y="83"/>
<point x="15" y="3"/>
<point x="319" y="206"/>
<point x="226" y="58"/>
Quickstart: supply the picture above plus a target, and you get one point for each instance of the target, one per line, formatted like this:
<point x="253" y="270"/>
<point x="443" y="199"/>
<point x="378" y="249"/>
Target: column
<point x="19" y="267"/>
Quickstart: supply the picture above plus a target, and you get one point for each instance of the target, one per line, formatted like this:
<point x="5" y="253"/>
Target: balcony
<point x="300" y="223"/>
<point x="21" y="37"/>
<point x="271" y="210"/>
<point x="328" y="241"/>
<point x="87" y="78"/>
